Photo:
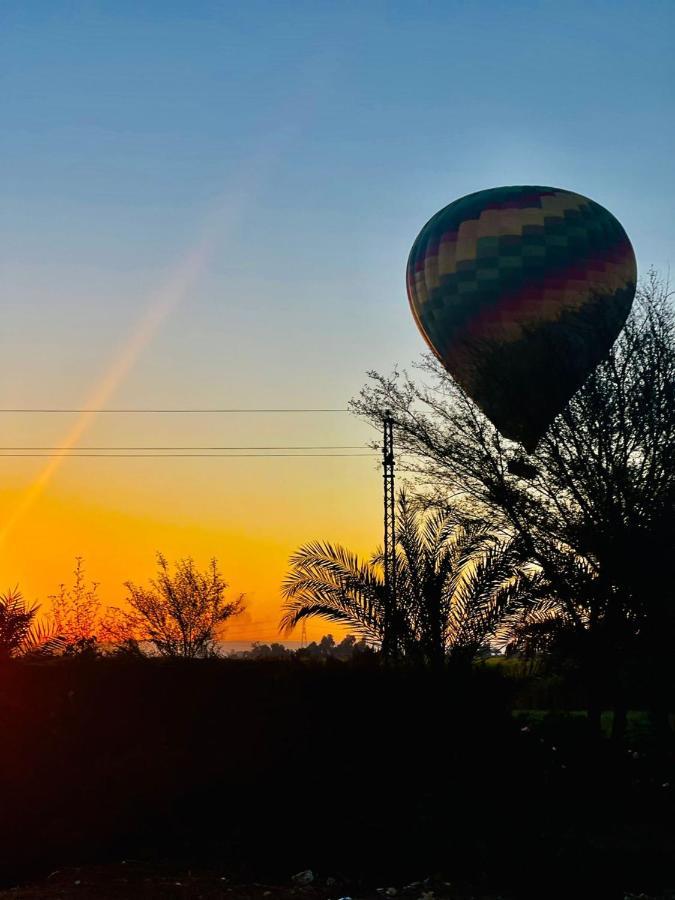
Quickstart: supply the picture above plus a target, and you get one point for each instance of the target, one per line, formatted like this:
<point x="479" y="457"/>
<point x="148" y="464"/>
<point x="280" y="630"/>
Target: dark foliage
<point x="20" y="633"/>
<point x="180" y="613"/>
<point x="270" y="768"/>
<point x="594" y="504"/>
<point x="455" y="581"/>
<point x="349" y="648"/>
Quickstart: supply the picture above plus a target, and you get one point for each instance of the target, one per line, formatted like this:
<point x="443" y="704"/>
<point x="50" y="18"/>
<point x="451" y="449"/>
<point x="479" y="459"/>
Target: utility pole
<point x="389" y="639"/>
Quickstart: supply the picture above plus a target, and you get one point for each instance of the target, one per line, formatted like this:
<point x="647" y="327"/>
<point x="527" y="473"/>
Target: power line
<point x="204" y="411"/>
<point x="68" y="455"/>
<point x="270" y="447"/>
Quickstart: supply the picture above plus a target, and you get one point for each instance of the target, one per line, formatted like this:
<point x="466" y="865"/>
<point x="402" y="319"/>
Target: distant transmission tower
<point x="388" y="638"/>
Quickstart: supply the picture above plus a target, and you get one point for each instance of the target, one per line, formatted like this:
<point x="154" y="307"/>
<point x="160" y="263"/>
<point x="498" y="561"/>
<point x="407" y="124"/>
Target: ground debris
<point x="154" y="881"/>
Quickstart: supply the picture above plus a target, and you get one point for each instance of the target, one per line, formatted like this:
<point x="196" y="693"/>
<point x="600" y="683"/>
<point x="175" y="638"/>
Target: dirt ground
<point x="140" y="881"/>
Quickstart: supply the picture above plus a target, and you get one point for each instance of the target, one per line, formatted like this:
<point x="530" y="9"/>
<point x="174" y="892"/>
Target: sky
<point x="210" y="205"/>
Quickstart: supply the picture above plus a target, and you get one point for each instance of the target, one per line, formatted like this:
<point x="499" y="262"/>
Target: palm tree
<point x="20" y="634"/>
<point x="455" y="580"/>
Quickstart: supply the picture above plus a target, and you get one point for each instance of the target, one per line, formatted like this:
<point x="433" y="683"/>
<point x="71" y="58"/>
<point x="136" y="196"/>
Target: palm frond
<point x="455" y="582"/>
<point x="489" y="587"/>
<point x="20" y="633"/>
<point x="330" y="582"/>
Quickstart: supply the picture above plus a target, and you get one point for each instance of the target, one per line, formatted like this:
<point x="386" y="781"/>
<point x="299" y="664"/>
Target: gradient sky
<point x="208" y="204"/>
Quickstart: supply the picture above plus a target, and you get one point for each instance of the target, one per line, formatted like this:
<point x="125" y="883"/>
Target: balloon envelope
<point x="520" y="292"/>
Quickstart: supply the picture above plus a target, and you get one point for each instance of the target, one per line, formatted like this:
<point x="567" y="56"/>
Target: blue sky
<point x="336" y="128"/>
<point x="304" y="144"/>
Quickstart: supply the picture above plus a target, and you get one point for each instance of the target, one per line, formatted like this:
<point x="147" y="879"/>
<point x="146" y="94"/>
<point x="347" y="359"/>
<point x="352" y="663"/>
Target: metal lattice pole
<point x="389" y="637"/>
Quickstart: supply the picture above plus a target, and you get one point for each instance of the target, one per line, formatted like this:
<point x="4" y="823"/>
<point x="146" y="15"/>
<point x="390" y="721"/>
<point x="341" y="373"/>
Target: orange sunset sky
<point x="116" y="512"/>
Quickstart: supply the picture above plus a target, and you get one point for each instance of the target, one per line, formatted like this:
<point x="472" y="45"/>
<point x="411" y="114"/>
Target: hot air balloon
<point x="520" y="292"/>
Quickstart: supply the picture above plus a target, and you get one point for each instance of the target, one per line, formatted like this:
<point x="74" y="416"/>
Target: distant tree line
<point x="348" y="649"/>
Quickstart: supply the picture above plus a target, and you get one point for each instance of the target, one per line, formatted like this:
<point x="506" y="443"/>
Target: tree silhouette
<point x="180" y="613"/>
<point x="326" y="648"/>
<point x="349" y="648"/>
<point x="455" y="581"/>
<point x="20" y="634"/>
<point x="595" y="503"/>
<point x="76" y="611"/>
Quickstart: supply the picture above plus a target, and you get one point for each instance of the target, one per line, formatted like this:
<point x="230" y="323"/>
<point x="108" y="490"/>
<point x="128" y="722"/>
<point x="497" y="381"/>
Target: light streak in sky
<point x="221" y="225"/>
<point x="159" y="307"/>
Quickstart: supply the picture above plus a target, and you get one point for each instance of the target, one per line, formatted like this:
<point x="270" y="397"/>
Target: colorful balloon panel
<point x="520" y="292"/>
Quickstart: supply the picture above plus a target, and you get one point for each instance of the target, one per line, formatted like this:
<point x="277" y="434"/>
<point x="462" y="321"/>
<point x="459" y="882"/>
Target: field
<point x="374" y="778"/>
